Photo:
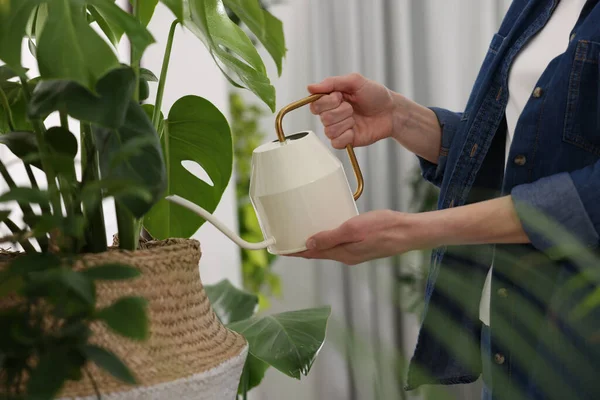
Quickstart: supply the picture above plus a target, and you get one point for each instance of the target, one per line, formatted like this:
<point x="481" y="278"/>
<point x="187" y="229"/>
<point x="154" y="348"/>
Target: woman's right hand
<point x="355" y="111"/>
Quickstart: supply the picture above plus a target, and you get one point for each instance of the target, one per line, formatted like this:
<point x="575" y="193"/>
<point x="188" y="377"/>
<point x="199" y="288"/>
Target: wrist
<point x="401" y="114"/>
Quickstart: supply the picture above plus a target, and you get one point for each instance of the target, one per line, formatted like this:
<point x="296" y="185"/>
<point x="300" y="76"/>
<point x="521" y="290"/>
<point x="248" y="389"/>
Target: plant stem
<point x="94" y="384"/>
<point x="135" y="62"/>
<point x="95" y="233"/>
<point x="128" y="229"/>
<point x="64" y="183"/>
<point x="47" y="166"/>
<point x="16" y="231"/>
<point x="7" y="111"/>
<point x="43" y="241"/>
<point x="163" y="76"/>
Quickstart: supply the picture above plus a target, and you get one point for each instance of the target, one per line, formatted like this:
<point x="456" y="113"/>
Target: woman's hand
<point x="356" y="111"/>
<point x="385" y="233"/>
<point x="369" y="236"/>
<point x="360" y="112"/>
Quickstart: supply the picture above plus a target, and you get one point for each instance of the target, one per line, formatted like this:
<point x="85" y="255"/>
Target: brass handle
<point x="349" y="149"/>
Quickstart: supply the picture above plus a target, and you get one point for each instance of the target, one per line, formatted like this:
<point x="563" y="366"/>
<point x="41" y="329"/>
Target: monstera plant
<point x="112" y="143"/>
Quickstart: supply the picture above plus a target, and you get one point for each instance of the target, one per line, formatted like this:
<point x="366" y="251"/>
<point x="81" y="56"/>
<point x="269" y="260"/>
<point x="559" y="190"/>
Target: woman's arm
<point x="386" y="233"/>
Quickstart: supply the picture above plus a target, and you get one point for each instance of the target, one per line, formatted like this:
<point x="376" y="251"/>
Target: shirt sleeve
<point x="449" y="122"/>
<point x="569" y="199"/>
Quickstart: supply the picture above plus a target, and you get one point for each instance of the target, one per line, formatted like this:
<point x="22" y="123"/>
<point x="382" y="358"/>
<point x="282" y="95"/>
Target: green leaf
<point x="74" y="281"/>
<point x="148" y="75"/>
<point x="146" y="168"/>
<point x="289" y="342"/>
<point x="127" y="317"/>
<point x="195" y="131"/>
<point x="145" y="10"/>
<point x="253" y="373"/>
<point x="230" y="303"/>
<point x="108" y="108"/>
<point x="6" y="73"/>
<point x="18" y="106"/>
<point x="70" y="49"/>
<point x="109" y="362"/>
<point x="111" y="272"/>
<point x="34" y="262"/>
<point x="25" y="195"/>
<point x="61" y="141"/>
<point x="93" y="192"/>
<point x="230" y="47"/>
<point x="267" y="28"/>
<point x="128" y="146"/>
<point x="14" y="15"/>
<point x="9" y="284"/>
<point x="176" y="6"/>
<point x="139" y="37"/>
<point x="49" y="375"/>
<point x="114" y="33"/>
<point x="22" y="144"/>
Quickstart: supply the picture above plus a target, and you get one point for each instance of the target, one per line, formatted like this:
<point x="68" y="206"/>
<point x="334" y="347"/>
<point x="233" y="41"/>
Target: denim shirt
<point x="553" y="168"/>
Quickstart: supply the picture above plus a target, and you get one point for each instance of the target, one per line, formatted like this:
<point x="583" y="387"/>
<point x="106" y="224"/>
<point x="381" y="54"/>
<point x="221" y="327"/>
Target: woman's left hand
<point x="385" y="233"/>
<point x="369" y="236"/>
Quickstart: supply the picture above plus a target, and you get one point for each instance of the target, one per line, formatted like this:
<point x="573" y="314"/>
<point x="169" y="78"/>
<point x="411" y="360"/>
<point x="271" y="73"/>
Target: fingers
<point x="343" y="140"/>
<point x="345" y="233"/>
<point x="347" y="83"/>
<point x="326" y="103"/>
<point x="335" y="130"/>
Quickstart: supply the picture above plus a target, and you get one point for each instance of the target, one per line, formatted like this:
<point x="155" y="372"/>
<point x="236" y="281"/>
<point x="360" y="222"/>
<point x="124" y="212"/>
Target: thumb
<point x="346" y="83"/>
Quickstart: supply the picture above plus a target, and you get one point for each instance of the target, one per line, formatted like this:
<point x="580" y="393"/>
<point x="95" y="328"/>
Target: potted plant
<point x="81" y="318"/>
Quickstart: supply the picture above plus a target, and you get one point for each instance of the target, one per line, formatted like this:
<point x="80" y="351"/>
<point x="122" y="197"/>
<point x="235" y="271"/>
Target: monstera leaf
<point x="195" y="132"/>
<point x="14" y="15"/>
<point x="231" y="48"/>
<point x="289" y="342"/>
<point x="267" y="28"/>
<point x="230" y="303"/>
<point x="68" y="48"/>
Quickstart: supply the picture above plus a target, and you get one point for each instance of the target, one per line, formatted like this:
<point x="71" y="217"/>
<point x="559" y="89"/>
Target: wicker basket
<point x="189" y="355"/>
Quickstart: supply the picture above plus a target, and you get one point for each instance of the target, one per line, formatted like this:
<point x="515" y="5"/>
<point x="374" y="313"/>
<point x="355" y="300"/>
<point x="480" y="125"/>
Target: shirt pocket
<point x="582" y="127"/>
<point x="484" y="72"/>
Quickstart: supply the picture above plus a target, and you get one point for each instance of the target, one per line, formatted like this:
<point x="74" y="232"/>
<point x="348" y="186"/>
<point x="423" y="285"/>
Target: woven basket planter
<point x="189" y="355"/>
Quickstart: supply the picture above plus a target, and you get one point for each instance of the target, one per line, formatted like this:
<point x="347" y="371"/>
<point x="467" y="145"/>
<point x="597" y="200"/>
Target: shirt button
<point x="502" y="292"/>
<point x="499" y="359"/>
<point x="520" y="160"/>
<point x="537" y="92"/>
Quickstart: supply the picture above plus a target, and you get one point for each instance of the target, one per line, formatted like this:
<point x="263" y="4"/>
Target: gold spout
<point x="349" y="149"/>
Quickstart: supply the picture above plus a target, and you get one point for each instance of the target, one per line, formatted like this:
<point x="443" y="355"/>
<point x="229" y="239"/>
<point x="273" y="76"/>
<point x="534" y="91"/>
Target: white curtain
<point x="429" y="50"/>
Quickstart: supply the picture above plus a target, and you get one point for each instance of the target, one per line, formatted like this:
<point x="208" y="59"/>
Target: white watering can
<point x="297" y="188"/>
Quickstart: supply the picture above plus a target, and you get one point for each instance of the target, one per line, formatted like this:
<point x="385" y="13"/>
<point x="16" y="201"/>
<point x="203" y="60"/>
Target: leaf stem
<point x="7" y="110"/>
<point x="129" y="231"/>
<point x="94" y="384"/>
<point x="39" y="129"/>
<point x="43" y="241"/>
<point x="95" y="233"/>
<point x="135" y="62"/>
<point x="163" y="76"/>
<point x="16" y="231"/>
<point x="64" y="184"/>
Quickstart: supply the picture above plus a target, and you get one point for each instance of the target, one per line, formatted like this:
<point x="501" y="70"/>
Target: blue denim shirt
<point x="553" y="167"/>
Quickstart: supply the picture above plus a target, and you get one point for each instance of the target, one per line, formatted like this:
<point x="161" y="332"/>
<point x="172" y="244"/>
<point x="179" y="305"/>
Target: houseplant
<point x="68" y="299"/>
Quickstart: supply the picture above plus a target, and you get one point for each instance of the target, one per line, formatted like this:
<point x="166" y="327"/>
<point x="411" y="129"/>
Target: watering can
<point x="298" y="188"/>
